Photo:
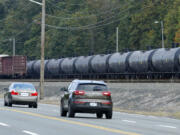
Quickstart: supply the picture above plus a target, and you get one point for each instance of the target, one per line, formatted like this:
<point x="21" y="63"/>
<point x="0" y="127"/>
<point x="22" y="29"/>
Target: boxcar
<point x="13" y="66"/>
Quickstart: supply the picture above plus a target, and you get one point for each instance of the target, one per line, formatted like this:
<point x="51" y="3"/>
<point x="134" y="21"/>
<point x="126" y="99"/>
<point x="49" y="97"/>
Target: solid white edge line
<point x="28" y="132"/>
<point x="129" y="121"/>
<point x="3" y="124"/>
<point x="166" y="126"/>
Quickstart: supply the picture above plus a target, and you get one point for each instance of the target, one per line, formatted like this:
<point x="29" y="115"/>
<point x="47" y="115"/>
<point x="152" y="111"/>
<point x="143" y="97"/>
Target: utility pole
<point x="162" y="32"/>
<point x="117" y="47"/>
<point x="14" y="47"/>
<point x="42" y="46"/>
<point x="42" y="51"/>
<point x="162" y="27"/>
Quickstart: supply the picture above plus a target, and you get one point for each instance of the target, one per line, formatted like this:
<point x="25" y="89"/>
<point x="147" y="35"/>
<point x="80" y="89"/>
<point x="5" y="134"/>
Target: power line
<point x="87" y="26"/>
<point x="83" y="28"/>
<point x="106" y="19"/>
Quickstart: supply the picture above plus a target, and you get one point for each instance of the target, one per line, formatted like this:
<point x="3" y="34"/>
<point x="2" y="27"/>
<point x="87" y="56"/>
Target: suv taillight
<point x="34" y="94"/>
<point x="79" y="92"/>
<point x="106" y="93"/>
<point x="14" y="92"/>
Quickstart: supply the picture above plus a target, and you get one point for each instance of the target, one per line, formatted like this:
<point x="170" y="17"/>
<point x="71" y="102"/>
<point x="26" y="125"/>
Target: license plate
<point x="24" y="94"/>
<point x="93" y="104"/>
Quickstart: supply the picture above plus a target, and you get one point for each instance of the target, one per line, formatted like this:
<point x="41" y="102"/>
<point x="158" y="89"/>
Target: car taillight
<point x="34" y="94"/>
<point x="79" y="92"/>
<point x="106" y="93"/>
<point x="14" y="92"/>
<point x="106" y="103"/>
<point x="79" y="102"/>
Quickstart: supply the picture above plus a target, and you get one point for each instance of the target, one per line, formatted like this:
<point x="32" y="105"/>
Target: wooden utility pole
<point x="42" y="51"/>
<point x="14" y="46"/>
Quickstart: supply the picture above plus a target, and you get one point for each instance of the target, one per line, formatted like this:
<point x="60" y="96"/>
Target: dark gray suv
<point x="86" y="96"/>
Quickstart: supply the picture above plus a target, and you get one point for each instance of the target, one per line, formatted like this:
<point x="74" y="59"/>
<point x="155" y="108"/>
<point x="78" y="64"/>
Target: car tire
<point x="108" y="115"/>
<point x="99" y="115"/>
<point x="62" y="111"/>
<point x="9" y="103"/>
<point x="5" y="104"/>
<point x="70" y="111"/>
<point x="35" y="105"/>
<point x="30" y="105"/>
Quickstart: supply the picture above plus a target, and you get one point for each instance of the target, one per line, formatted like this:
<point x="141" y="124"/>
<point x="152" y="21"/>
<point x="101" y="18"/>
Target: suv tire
<point x="63" y="112"/>
<point x="99" y="115"/>
<point x="35" y="105"/>
<point x="70" y="111"/>
<point x="108" y="115"/>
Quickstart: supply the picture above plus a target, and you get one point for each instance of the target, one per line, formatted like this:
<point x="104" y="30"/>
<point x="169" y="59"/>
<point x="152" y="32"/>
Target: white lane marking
<point x="55" y="110"/>
<point x="3" y="124"/>
<point x="129" y="121"/>
<point x="28" y="132"/>
<point x="166" y="126"/>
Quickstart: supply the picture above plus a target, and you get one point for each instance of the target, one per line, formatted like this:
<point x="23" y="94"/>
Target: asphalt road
<point x="21" y="120"/>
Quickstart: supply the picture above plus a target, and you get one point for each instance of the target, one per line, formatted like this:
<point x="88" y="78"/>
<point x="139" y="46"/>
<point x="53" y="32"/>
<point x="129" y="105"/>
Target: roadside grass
<point x="1" y="95"/>
<point x="48" y="101"/>
<point x="175" y="115"/>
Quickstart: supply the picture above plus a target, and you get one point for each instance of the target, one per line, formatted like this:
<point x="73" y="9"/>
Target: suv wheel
<point x="109" y="115"/>
<point x="70" y="111"/>
<point x="63" y="112"/>
<point x="5" y="104"/>
<point x="99" y="115"/>
<point x="35" y="105"/>
<point x="30" y="105"/>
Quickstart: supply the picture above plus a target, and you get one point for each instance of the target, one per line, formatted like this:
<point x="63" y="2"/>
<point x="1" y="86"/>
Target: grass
<point x="175" y="115"/>
<point x="47" y="101"/>
<point x="1" y="95"/>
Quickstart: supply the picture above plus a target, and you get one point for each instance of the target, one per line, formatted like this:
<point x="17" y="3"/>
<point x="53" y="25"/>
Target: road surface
<point x="21" y="120"/>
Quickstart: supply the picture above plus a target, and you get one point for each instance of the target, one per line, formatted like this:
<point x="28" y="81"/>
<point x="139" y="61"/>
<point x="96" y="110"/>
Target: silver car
<point x="21" y="93"/>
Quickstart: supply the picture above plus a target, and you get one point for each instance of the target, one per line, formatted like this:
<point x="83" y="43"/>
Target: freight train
<point x="157" y="63"/>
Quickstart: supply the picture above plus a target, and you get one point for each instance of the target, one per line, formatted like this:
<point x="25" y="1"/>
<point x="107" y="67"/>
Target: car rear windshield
<point x="24" y="87"/>
<point x="92" y="87"/>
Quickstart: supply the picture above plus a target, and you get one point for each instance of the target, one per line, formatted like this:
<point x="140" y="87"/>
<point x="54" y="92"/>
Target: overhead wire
<point x="87" y="26"/>
<point x="106" y="19"/>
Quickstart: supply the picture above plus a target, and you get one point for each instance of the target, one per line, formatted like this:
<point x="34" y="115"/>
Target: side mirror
<point x="6" y="89"/>
<point x="63" y="89"/>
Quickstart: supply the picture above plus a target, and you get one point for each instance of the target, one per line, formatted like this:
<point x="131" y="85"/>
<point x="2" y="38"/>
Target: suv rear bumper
<point x="86" y="108"/>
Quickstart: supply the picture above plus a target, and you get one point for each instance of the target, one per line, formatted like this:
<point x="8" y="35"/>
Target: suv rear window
<point x="92" y="87"/>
